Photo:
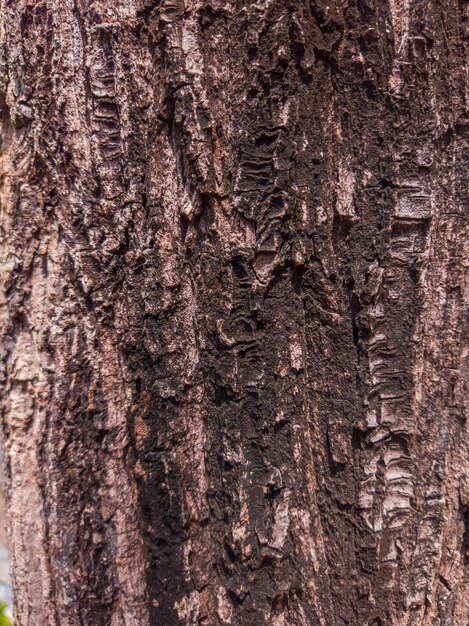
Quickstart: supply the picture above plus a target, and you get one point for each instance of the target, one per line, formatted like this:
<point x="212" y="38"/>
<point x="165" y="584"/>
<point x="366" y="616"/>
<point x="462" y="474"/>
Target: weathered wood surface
<point x="232" y="311"/>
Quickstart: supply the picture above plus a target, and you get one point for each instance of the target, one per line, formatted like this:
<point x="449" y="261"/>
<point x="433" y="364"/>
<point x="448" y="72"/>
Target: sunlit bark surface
<point x="232" y="295"/>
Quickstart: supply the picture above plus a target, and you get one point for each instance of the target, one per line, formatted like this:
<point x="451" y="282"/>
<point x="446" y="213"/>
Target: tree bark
<point x="232" y="250"/>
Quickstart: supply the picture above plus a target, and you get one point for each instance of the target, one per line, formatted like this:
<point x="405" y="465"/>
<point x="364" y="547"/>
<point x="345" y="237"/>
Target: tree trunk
<point x="232" y="251"/>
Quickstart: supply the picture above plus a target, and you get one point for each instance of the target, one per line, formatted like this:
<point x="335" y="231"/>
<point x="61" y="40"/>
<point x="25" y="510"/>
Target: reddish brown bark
<point x="232" y="304"/>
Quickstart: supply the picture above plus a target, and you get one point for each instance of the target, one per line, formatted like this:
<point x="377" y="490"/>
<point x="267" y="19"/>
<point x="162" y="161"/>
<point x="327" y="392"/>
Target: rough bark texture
<point x="232" y="253"/>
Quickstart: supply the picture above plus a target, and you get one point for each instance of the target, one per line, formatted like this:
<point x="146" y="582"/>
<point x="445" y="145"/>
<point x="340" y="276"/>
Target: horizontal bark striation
<point x="232" y="248"/>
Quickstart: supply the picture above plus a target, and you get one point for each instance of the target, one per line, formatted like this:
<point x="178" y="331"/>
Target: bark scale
<point x="232" y="304"/>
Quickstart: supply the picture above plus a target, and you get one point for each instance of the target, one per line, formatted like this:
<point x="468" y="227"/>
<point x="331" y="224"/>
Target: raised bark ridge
<point x="232" y="252"/>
